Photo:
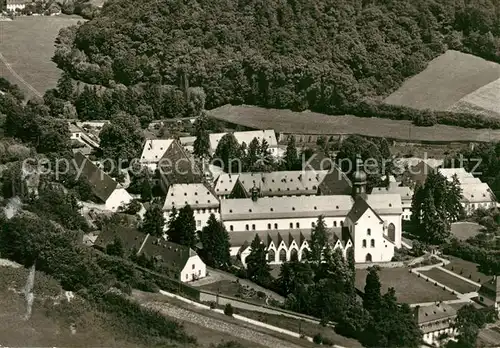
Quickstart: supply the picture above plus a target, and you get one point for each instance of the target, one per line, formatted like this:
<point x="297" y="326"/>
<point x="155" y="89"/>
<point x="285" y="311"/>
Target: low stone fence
<point x="208" y="296"/>
<point x="394" y="264"/>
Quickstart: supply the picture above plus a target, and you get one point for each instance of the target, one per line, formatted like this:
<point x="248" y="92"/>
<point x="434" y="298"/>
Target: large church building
<point x="371" y="224"/>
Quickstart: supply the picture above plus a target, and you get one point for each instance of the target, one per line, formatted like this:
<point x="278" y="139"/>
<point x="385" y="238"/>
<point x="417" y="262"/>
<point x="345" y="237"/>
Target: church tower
<point x="359" y="180"/>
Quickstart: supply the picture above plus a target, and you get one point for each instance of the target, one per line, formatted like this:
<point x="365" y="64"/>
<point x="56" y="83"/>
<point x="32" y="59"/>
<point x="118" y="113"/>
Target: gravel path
<point x="220" y="325"/>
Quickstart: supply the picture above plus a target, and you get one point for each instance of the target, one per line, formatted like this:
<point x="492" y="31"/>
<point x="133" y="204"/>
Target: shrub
<point x="318" y="339"/>
<point x="261" y="294"/>
<point x="228" y="310"/>
<point x="327" y="341"/>
<point x="213" y="305"/>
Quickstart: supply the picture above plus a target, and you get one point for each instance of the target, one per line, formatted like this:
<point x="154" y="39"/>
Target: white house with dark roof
<point x="153" y="151"/>
<point x="370" y="223"/>
<point x="436" y="320"/>
<point x="475" y="194"/>
<point x="198" y="196"/>
<point x="109" y="193"/>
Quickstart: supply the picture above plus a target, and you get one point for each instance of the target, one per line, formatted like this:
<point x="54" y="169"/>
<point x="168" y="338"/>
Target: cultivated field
<point x="409" y="288"/>
<point x="466" y="269"/>
<point x="446" y="80"/>
<point x="485" y="101"/>
<point x="450" y="281"/>
<point x="27" y="46"/>
<point x="287" y="121"/>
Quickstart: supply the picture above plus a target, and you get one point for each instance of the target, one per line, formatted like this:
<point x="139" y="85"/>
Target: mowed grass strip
<point x="27" y="43"/>
<point x="466" y="269"/>
<point x="409" y="287"/>
<point x="312" y="123"/>
<point x="450" y="281"/>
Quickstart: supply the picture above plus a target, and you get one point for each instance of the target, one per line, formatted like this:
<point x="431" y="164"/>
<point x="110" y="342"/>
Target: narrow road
<point x="220" y="325"/>
<point x="17" y="76"/>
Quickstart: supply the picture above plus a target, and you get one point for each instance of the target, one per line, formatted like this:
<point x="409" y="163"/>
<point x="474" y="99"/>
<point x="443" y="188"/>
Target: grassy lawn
<point x="451" y="281"/>
<point x="27" y="43"/>
<point x="307" y="328"/>
<point x="466" y="269"/>
<point x="465" y="230"/>
<point x="409" y="288"/>
<point x="306" y="122"/>
<point x="233" y="289"/>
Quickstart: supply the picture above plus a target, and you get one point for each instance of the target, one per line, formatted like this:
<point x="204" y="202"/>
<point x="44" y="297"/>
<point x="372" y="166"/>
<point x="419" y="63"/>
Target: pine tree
<point x="352" y="268"/>
<point x="171" y="222"/>
<point x="257" y="268"/>
<point x="252" y="157"/>
<point x="153" y="221"/>
<point x="65" y="87"/>
<point x="201" y="147"/>
<point x="146" y="191"/>
<point x="229" y="154"/>
<point x="215" y="241"/>
<point x="183" y="229"/>
<point x="372" y="297"/>
<point x="318" y="243"/>
<point x="291" y="155"/>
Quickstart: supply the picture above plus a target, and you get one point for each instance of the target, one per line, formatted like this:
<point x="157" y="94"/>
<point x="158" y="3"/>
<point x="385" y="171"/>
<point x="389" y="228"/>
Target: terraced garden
<point x="450" y="281"/>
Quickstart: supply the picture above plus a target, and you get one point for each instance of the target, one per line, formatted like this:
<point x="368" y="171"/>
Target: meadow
<point x="446" y="80"/>
<point x="27" y="46"/>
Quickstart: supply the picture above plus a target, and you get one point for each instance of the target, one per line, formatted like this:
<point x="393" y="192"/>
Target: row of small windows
<point x="203" y="211"/>
<point x="270" y="226"/>
<point x="372" y="243"/>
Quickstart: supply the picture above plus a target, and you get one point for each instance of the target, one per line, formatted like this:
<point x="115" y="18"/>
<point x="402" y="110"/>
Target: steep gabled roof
<point x="154" y="149"/>
<point x="359" y="208"/>
<point x="102" y="184"/>
<point x="178" y="167"/>
<point x="432" y="313"/>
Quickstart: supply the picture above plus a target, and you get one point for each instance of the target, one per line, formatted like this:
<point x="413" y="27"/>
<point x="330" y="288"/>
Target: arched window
<point x="268" y="226"/>
<point x="294" y="255"/>
<point x="368" y="258"/>
<point x="335" y="224"/>
<point x="372" y="243"/>
<point x="341" y="223"/>
<point x="275" y="226"/>
<point x="369" y="232"/>
<point x="313" y="224"/>
<point x="271" y="256"/>
<point x="253" y="227"/>
<point x="297" y="225"/>
<point x="392" y="232"/>
<point x="246" y="227"/>
<point x="282" y="255"/>
<point x="364" y="243"/>
<point x="231" y="228"/>
<point x="291" y="224"/>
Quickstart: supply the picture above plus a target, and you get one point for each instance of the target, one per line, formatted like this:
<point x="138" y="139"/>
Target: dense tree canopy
<point x="318" y="55"/>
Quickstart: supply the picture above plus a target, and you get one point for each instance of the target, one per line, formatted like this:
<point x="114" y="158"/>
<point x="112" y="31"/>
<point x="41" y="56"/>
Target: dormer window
<point x="185" y="194"/>
<point x="315" y="208"/>
<point x="293" y="208"/>
<point x="230" y="210"/>
<point x="249" y="210"/>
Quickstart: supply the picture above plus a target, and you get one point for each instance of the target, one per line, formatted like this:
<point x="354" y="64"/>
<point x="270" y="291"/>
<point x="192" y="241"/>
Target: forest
<point x="329" y="56"/>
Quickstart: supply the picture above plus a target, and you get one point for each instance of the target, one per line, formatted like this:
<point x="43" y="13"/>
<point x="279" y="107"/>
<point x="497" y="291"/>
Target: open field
<point x="465" y="230"/>
<point x="287" y="121"/>
<point x="446" y="80"/>
<point x="409" y="288"/>
<point x="484" y="100"/>
<point x="466" y="269"/>
<point x="307" y="328"/>
<point x="450" y="281"/>
<point x="27" y="45"/>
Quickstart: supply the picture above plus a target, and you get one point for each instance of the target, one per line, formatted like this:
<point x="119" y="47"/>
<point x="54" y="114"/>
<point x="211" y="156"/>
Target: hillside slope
<point x="446" y="80"/>
<point x="322" y="55"/>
